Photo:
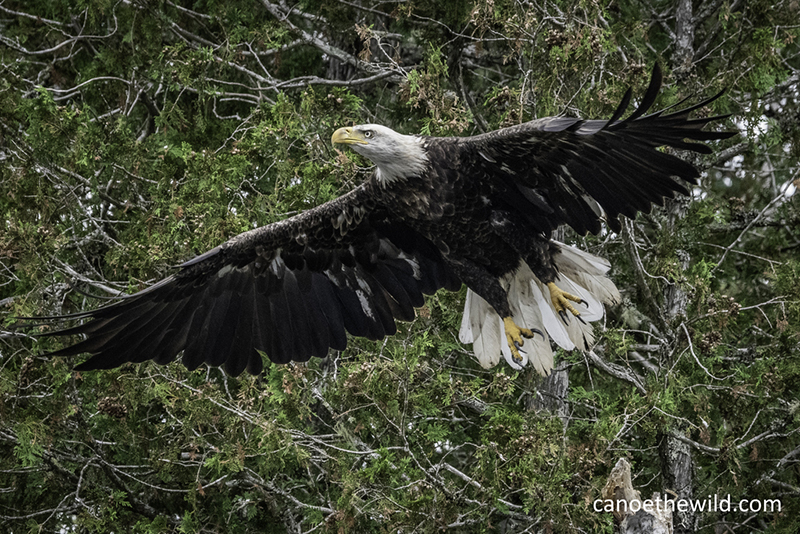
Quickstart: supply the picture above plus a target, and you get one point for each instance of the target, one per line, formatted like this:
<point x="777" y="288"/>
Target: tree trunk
<point x="677" y="472"/>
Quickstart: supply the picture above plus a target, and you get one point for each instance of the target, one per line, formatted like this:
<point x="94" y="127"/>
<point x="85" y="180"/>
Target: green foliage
<point x="135" y="136"/>
<point x="425" y="89"/>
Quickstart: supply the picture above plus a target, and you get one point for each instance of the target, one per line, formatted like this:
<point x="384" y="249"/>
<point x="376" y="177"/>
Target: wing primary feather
<point x="139" y="343"/>
<point x="225" y="324"/>
<point x="649" y="96"/>
<point x="165" y="348"/>
<point x="240" y="349"/>
<point x="319" y="335"/>
<point x="114" y="346"/>
<point x="200" y="348"/>
<point x="355" y="320"/>
<point x="623" y="106"/>
<point x="302" y="329"/>
<point x="396" y="291"/>
<point x="186" y="330"/>
<point x="263" y="328"/>
<point x="280" y="350"/>
<point x="296" y="342"/>
<point x="322" y="289"/>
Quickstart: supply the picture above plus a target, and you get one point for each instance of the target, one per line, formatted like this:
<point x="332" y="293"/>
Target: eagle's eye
<point x="367" y="134"/>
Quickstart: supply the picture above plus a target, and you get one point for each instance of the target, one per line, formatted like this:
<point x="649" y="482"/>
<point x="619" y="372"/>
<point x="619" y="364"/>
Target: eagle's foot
<point x="515" y="335"/>
<point x="561" y="302"/>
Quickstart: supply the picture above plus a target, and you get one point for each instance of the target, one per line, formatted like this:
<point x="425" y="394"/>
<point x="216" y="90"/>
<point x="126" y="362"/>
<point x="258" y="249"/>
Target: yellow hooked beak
<point x="348" y="136"/>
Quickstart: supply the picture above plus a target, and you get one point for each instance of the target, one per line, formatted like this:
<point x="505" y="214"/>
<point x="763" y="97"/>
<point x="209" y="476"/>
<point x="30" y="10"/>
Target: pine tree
<point x="134" y="135"/>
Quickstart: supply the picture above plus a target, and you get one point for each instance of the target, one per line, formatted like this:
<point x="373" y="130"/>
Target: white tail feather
<point x="555" y="328"/>
<point x="580" y="273"/>
<point x="465" y="334"/>
<point x="588" y="271"/>
<point x="592" y="310"/>
<point x="526" y="314"/>
<point x="480" y="327"/>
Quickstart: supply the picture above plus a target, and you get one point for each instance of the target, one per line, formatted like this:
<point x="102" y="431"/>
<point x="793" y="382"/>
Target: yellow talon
<point x="514" y="335"/>
<point x="561" y="302"/>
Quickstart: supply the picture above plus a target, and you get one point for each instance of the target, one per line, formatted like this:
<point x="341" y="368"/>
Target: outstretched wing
<point x="560" y="170"/>
<point x="290" y="289"/>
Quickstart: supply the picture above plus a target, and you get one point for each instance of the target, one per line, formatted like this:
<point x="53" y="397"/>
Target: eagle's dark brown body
<point x="438" y="212"/>
<point x="452" y="209"/>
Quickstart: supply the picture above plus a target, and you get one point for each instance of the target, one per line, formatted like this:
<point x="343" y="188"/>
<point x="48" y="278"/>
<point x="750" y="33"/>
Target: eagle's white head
<point x="397" y="156"/>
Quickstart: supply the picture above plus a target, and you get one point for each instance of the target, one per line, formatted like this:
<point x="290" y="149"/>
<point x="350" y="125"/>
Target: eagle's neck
<point x="408" y="159"/>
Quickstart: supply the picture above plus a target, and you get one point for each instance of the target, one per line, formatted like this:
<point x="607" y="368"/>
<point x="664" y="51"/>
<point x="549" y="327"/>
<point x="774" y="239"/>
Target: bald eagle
<point x="436" y="213"/>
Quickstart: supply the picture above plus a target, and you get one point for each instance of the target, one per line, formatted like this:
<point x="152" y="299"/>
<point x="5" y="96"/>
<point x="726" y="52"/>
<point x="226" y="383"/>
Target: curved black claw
<point x="519" y="349"/>
<point x="580" y="319"/>
<point x="537" y="331"/>
<point x="563" y="316"/>
<point x="584" y="303"/>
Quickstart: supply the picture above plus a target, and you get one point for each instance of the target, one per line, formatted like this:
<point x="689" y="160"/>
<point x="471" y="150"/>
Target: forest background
<point x="135" y="134"/>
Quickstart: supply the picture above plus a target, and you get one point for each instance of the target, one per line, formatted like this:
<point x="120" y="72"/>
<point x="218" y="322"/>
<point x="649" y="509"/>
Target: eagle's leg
<point x="561" y="302"/>
<point x="488" y="287"/>
<point x="514" y="335"/>
<point x="537" y="251"/>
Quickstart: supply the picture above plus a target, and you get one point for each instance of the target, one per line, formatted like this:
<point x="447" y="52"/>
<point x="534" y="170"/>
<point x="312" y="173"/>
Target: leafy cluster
<point x="134" y="135"/>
